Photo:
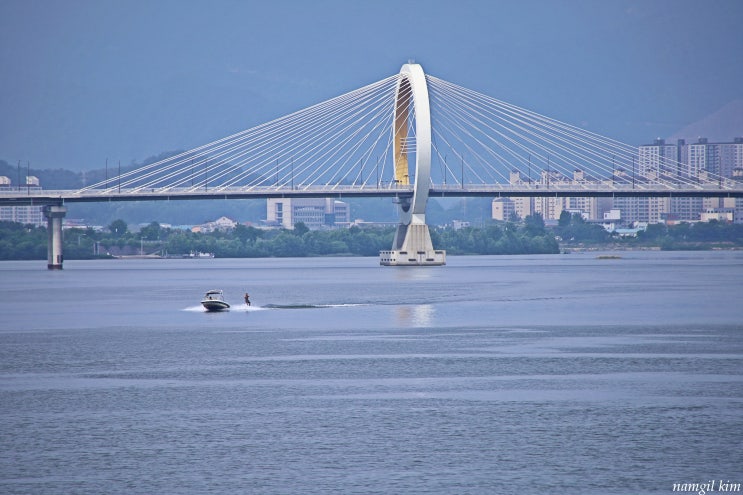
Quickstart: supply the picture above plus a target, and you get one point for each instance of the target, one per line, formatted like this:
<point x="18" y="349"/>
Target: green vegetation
<point x="27" y="242"/>
<point x="530" y="237"/>
<point x="574" y="232"/>
<point x="21" y="242"/>
<point x="573" y="229"/>
<point x="696" y="236"/>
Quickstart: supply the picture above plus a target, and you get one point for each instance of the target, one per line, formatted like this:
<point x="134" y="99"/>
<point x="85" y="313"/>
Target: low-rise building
<point x="22" y="214"/>
<point x="315" y="213"/>
<point x="726" y="215"/>
<point x="222" y="223"/>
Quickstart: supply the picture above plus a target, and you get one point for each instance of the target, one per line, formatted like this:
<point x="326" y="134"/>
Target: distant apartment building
<point x="731" y="157"/>
<point x="22" y="214"/>
<point x="682" y="209"/>
<point x="717" y="158"/>
<point x="680" y="161"/>
<point x="523" y="207"/>
<point x="655" y="163"/>
<point x="690" y="160"/>
<point x="503" y="209"/>
<point x="684" y="161"/>
<point x="591" y="208"/>
<point x="659" y="159"/>
<point x="632" y="209"/>
<point x="551" y="207"/>
<point x="658" y="210"/>
<point x="315" y="213"/>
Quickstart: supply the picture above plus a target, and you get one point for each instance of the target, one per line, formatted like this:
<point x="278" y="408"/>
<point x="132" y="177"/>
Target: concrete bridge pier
<point x="412" y="247"/>
<point x="54" y="215"/>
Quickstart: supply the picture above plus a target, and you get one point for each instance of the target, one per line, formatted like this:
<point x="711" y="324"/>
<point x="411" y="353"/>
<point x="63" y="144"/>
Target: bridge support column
<point x="54" y="216"/>
<point x="412" y="247"/>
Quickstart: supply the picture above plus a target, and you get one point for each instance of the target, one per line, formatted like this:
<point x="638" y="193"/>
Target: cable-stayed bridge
<point x="409" y="136"/>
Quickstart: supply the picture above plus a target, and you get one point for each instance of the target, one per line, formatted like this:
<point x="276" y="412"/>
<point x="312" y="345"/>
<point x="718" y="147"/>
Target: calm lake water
<point x="509" y="375"/>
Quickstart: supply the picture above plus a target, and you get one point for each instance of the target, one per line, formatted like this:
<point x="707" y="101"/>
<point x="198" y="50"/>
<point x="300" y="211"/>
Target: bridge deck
<point x="55" y="197"/>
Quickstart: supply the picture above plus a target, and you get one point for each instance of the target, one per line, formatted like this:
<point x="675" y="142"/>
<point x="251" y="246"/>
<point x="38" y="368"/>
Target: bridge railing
<point x="593" y="187"/>
<point x="386" y="189"/>
<point x="576" y="188"/>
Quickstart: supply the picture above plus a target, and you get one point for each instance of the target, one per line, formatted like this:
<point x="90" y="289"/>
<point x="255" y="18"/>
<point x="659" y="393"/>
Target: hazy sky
<point x="83" y="81"/>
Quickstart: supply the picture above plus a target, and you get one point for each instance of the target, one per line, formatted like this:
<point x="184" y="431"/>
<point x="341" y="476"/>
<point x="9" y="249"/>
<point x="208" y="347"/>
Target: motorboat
<point x="214" y="301"/>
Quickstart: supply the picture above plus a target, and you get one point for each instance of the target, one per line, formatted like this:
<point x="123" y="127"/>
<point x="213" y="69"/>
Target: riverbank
<point x="571" y="248"/>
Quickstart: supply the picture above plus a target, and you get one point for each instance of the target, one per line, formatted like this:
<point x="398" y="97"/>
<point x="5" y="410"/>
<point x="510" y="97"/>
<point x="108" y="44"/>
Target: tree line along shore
<point x="531" y="236"/>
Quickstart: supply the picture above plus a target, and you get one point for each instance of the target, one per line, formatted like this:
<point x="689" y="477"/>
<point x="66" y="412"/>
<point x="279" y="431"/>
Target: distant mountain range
<point x="719" y="127"/>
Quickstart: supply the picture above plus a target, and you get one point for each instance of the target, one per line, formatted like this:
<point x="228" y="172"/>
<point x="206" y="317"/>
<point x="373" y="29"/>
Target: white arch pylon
<point x="412" y="86"/>
<point x="412" y="244"/>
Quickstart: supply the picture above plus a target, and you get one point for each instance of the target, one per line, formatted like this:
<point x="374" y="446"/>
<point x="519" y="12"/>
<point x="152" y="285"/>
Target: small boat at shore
<point x="214" y="301"/>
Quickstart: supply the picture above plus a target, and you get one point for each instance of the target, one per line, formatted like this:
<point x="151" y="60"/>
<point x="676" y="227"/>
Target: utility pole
<point x="377" y="170"/>
<point x="444" y="169"/>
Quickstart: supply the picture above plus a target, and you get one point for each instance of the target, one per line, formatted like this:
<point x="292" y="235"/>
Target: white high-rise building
<point x="659" y="160"/>
<point x="716" y="158"/>
<point x="698" y="157"/>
